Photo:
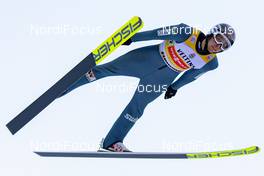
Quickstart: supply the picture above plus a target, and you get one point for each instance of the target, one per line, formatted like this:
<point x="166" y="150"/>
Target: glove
<point x="170" y="93"/>
<point x="128" y="42"/>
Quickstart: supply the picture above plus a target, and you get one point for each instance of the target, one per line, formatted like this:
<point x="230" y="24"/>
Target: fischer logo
<point x="224" y="153"/>
<point x="117" y="39"/>
<point x="185" y="57"/>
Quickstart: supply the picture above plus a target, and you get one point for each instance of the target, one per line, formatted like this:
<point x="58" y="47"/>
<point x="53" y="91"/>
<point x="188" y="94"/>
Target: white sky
<point x="221" y="110"/>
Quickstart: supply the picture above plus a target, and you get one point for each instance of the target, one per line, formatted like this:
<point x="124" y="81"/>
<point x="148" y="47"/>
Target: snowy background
<point x="222" y="110"/>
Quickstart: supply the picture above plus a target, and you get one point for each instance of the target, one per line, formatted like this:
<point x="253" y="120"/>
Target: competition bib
<point x="183" y="56"/>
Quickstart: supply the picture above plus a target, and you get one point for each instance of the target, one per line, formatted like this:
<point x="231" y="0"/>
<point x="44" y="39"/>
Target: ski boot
<point x="116" y="147"/>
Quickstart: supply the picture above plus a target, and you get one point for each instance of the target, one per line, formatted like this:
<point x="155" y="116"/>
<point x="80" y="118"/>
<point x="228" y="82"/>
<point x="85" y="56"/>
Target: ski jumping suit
<point x="157" y="66"/>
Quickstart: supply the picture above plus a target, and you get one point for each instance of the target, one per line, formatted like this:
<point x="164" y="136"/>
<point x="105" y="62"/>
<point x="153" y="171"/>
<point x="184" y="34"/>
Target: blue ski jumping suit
<point x="155" y="66"/>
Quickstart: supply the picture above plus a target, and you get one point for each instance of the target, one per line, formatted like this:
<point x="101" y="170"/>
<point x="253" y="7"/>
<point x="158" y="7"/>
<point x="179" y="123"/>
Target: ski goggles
<point x="222" y="40"/>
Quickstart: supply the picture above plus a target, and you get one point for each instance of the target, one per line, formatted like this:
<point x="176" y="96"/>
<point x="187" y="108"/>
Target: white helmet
<point x="223" y="34"/>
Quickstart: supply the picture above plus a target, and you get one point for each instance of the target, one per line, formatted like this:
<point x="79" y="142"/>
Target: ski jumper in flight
<point x="183" y="49"/>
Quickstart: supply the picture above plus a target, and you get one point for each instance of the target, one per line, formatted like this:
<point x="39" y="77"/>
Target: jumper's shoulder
<point x="184" y="29"/>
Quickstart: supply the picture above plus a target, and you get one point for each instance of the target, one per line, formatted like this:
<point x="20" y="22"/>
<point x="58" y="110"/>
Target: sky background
<point x="221" y="110"/>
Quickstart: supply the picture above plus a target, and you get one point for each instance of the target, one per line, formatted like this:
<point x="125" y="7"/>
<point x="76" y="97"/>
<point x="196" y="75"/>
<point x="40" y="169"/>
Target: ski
<point x="152" y="155"/>
<point x="96" y="56"/>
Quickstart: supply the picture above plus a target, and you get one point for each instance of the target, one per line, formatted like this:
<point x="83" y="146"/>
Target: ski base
<point x="152" y="155"/>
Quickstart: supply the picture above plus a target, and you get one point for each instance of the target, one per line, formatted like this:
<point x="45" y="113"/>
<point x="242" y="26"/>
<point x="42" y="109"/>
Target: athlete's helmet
<point x="223" y="34"/>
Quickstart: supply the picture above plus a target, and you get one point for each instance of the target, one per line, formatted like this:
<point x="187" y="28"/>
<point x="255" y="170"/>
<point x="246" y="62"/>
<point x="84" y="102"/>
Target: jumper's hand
<point x="170" y="93"/>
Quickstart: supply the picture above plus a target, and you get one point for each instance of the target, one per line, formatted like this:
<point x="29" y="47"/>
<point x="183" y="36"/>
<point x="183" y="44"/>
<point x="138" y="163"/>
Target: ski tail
<point x="152" y="155"/>
<point x="96" y="56"/>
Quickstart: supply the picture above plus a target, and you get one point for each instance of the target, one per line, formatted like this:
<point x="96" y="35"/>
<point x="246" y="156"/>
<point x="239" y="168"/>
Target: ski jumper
<point x="156" y="66"/>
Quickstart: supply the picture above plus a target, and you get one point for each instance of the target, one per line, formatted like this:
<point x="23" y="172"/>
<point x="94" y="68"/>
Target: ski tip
<point x="138" y="18"/>
<point x="253" y="149"/>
